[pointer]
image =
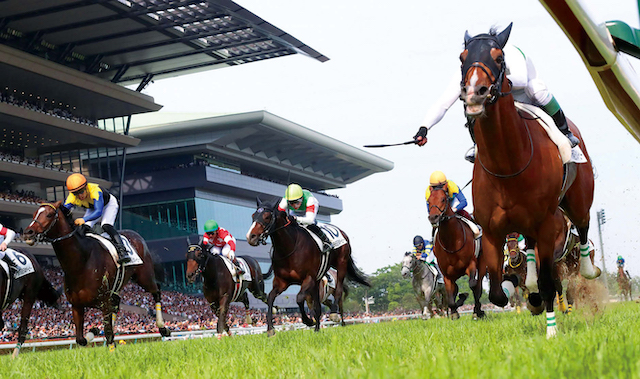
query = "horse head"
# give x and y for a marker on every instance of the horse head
(264, 221)
(195, 262)
(49, 222)
(483, 70)
(408, 263)
(439, 208)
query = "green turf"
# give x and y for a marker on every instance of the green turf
(505, 345)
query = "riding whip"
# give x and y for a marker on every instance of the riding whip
(393, 144)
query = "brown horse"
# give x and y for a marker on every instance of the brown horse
(28, 288)
(454, 246)
(518, 174)
(296, 259)
(624, 282)
(92, 277)
(218, 285)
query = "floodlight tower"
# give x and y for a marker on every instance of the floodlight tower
(601, 220)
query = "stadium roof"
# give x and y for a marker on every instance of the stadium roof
(136, 41)
(265, 143)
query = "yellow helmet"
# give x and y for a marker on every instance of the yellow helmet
(436, 178)
(76, 182)
(293, 192)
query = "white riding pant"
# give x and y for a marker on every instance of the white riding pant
(109, 213)
(224, 250)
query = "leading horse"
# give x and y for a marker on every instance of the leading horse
(28, 288)
(92, 278)
(218, 285)
(297, 259)
(518, 174)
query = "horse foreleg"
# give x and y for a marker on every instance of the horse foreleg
(587, 269)
(452, 291)
(108, 320)
(223, 308)
(546, 280)
(318, 306)
(493, 258)
(477, 290)
(245, 300)
(27, 306)
(157, 298)
(305, 289)
(78, 319)
(278, 287)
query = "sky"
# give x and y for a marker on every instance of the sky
(388, 63)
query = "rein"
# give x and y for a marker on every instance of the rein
(444, 217)
(43, 235)
(268, 232)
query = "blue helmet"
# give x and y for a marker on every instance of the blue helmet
(417, 240)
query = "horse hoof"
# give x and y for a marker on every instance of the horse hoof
(81, 341)
(271, 333)
(455, 316)
(164, 332)
(499, 299)
(535, 299)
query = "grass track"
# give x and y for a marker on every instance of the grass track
(501, 346)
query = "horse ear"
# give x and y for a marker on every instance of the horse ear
(467, 37)
(407, 253)
(504, 36)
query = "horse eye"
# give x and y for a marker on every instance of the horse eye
(50, 215)
(500, 59)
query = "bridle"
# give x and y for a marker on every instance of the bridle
(519, 260)
(201, 259)
(495, 89)
(267, 229)
(42, 236)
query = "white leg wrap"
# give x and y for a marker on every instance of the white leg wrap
(587, 269)
(159, 320)
(532, 272)
(551, 325)
(508, 288)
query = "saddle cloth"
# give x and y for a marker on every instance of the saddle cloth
(333, 234)
(232, 268)
(567, 154)
(106, 242)
(24, 264)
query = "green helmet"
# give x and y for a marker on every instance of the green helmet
(619, 257)
(293, 192)
(210, 226)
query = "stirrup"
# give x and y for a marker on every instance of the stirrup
(470, 155)
(123, 257)
(573, 140)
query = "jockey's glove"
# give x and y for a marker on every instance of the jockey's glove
(422, 132)
(79, 221)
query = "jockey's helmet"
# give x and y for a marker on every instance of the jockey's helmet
(437, 178)
(210, 226)
(620, 258)
(418, 240)
(76, 182)
(293, 192)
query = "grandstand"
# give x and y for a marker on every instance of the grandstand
(64, 109)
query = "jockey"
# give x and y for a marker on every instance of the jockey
(423, 250)
(6, 236)
(457, 200)
(303, 207)
(620, 261)
(526, 87)
(100, 206)
(217, 240)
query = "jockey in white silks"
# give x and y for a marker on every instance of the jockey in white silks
(6, 236)
(526, 88)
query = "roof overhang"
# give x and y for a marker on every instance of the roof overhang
(266, 142)
(136, 41)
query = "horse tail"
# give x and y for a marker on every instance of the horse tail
(48, 294)
(269, 273)
(355, 275)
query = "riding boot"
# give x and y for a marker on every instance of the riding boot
(561, 122)
(13, 266)
(117, 242)
(326, 244)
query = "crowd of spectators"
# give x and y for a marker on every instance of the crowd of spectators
(42, 105)
(14, 158)
(21, 196)
(191, 313)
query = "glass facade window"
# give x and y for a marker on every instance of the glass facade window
(161, 220)
(235, 218)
